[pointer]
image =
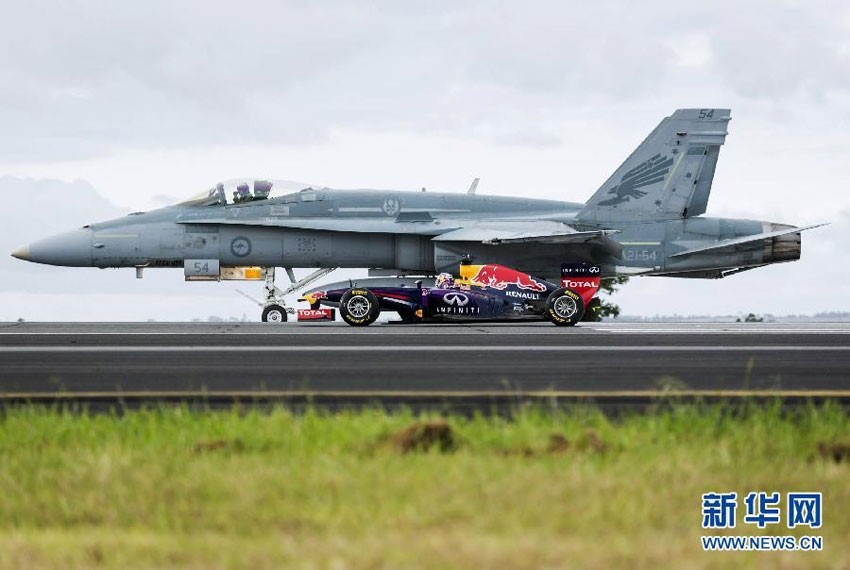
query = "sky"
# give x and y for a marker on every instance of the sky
(108, 108)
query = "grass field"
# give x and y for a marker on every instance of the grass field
(178, 488)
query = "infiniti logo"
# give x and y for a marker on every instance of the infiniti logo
(458, 299)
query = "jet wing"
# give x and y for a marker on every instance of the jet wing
(745, 239)
(522, 231)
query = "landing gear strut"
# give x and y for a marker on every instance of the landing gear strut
(274, 305)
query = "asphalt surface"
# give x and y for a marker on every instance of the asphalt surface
(470, 362)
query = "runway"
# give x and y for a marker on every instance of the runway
(467, 364)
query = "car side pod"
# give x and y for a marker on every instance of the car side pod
(564, 307)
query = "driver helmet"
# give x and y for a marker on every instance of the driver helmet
(445, 281)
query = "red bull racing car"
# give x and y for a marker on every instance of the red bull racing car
(490, 291)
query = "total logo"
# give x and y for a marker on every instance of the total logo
(312, 313)
(576, 284)
(316, 314)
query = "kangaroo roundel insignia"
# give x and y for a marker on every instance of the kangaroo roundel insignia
(240, 246)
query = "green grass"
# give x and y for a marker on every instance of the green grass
(176, 488)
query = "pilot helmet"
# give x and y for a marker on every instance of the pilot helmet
(262, 188)
(445, 281)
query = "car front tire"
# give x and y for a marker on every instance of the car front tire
(359, 307)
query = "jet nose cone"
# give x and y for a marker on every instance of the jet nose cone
(22, 253)
(73, 249)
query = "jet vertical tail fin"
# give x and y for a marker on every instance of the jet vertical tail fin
(668, 176)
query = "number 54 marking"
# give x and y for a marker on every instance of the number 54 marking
(706, 113)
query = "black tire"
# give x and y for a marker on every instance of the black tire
(274, 314)
(591, 311)
(359, 307)
(564, 307)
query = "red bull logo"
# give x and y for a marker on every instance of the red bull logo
(314, 297)
(500, 277)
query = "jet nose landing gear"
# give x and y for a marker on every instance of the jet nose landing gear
(274, 314)
(274, 305)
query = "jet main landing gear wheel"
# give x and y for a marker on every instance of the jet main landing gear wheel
(274, 314)
(564, 307)
(359, 307)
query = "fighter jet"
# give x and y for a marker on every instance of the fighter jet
(646, 219)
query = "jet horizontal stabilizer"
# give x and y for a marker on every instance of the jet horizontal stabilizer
(710, 273)
(575, 237)
(626, 270)
(746, 239)
(517, 232)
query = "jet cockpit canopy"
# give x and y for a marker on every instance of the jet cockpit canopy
(212, 197)
(239, 190)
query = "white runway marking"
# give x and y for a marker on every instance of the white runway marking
(431, 332)
(484, 329)
(420, 348)
(721, 328)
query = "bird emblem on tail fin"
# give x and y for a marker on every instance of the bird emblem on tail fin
(644, 174)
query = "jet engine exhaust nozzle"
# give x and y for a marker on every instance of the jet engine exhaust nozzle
(786, 247)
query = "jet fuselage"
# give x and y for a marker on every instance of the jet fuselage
(394, 230)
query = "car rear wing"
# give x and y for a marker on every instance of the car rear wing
(583, 278)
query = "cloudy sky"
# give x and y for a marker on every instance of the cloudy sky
(111, 106)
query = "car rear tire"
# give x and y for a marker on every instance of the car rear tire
(274, 314)
(564, 307)
(359, 307)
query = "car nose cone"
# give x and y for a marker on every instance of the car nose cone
(72, 249)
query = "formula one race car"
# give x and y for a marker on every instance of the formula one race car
(481, 292)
